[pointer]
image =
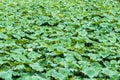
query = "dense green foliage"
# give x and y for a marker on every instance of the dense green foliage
(59, 40)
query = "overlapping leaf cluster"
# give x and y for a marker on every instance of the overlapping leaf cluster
(59, 40)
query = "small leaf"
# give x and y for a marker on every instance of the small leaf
(36, 66)
(109, 72)
(33, 55)
(3, 36)
(7, 75)
(9, 42)
(91, 72)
